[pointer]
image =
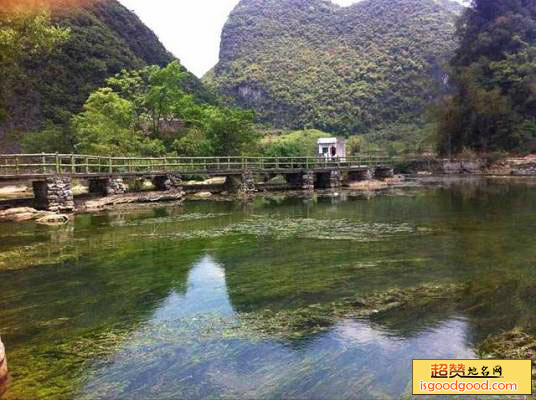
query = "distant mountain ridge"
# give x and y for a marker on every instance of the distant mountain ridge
(312, 63)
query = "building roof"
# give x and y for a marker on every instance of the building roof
(327, 141)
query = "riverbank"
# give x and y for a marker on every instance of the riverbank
(21, 209)
(474, 165)
(17, 205)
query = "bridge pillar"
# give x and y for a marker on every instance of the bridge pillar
(301, 181)
(328, 180)
(3, 369)
(243, 184)
(361, 175)
(54, 194)
(107, 186)
(384, 172)
(167, 182)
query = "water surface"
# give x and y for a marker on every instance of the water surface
(149, 303)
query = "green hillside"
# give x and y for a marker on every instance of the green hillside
(313, 64)
(105, 38)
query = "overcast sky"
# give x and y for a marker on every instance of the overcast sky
(190, 29)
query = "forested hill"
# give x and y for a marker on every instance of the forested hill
(105, 38)
(311, 63)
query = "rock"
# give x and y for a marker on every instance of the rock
(463, 167)
(107, 186)
(202, 195)
(53, 219)
(368, 185)
(54, 194)
(452, 167)
(167, 182)
(335, 179)
(472, 167)
(215, 181)
(20, 214)
(11, 190)
(395, 180)
(528, 169)
(148, 197)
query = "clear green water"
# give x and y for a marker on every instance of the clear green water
(147, 304)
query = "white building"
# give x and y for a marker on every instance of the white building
(332, 147)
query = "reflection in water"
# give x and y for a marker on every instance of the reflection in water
(148, 304)
(206, 292)
(352, 359)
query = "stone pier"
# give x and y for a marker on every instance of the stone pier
(3, 368)
(107, 186)
(384, 172)
(301, 181)
(359, 176)
(243, 184)
(167, 182)
(54, 194)
(328, 180)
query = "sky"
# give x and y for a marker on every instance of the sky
(190, 29)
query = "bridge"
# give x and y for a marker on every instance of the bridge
(52, 174)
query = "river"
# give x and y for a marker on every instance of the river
(218, 299)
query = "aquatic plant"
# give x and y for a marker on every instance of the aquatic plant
(516, 344)
(306, 228)
(314, 318)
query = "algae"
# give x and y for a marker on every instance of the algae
(305, 321)
(515, 344)
(304, 228)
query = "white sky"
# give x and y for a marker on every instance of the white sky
(190, 29)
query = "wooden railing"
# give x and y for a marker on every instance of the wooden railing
(75, 164)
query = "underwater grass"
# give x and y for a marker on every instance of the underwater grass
(315, 318)
(63, 368)
(515, 344)
(304, 228)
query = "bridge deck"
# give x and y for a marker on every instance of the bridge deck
(41, 166)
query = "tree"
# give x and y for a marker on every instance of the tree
(25, 32)
(292, 144)
(193, 144)
(53, 138)
(158, 97)
(494, 76)
(230, 130)
(106, 126)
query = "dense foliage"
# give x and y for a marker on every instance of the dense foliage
(494, 71)
(299, 143)
(312, 64)
(24, 33)
(104, 38)
(148, 112)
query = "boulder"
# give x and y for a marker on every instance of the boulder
(129, 198)
(53, 219)
(202, 195)
(452, 167)
(19, 214)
